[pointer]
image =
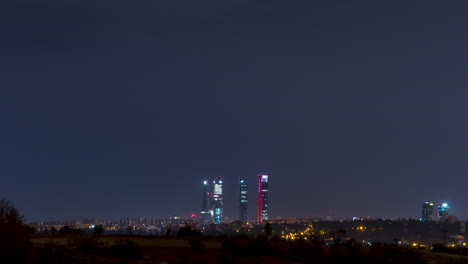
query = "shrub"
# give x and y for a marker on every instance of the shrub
(67, 230)
(187, 231)
(197, 244)
(98, 230)
(125, 249)
(52, 254)
(87, 244)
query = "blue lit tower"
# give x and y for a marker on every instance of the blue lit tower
(262, 198)
(243, 200)
(205, 214)
(217, 203)
(443, 212)
(427, 211)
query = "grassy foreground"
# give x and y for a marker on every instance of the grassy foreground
(129, 249)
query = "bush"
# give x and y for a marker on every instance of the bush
(251, 247)
(197, 244)
(68, 230)
(52, 254)
(87, 244)
(98, 230)
(187, 231)
(394, 255)
(126, 249)
(303, 251)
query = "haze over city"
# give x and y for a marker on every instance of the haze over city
(113, 109)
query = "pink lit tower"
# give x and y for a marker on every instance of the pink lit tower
(262, 199)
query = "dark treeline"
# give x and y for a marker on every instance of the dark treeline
(386, 231)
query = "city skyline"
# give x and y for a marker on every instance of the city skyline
(122, 108)
(431, 214)
(233, 207)
(435, 216)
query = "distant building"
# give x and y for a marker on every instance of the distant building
(243, 200)
(217, 201)
(443, 212)
(205, 213)
(262, 199)
(427, 211)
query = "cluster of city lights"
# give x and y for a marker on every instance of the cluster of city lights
(360, 228)
(418, 245)
(309, 231)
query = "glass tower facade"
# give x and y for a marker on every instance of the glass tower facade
(427, 211)
(205, 213)
(243, 200)
(262, 199)
(443, 212)
(217, 203)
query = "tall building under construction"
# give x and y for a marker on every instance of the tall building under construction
(206, 213)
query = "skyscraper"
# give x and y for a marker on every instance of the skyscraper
(243, 200)
(205, 213)
(262, 199)
(443, 212)
(217, 203)
(427, 211)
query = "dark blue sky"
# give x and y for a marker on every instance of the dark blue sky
(121, 108)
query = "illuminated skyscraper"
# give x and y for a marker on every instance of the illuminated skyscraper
(205, 213)
(243, 200)
(217, 203)
(262, 199)
(427, 211)
(443, 212)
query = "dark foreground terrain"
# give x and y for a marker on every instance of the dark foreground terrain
(129, 249)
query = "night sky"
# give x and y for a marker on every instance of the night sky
(112, 109)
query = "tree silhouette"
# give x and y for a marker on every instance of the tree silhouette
(67, 230)
(99, 229)
(268, 229)
(53, 230)
(188, 231)
(14, 240)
